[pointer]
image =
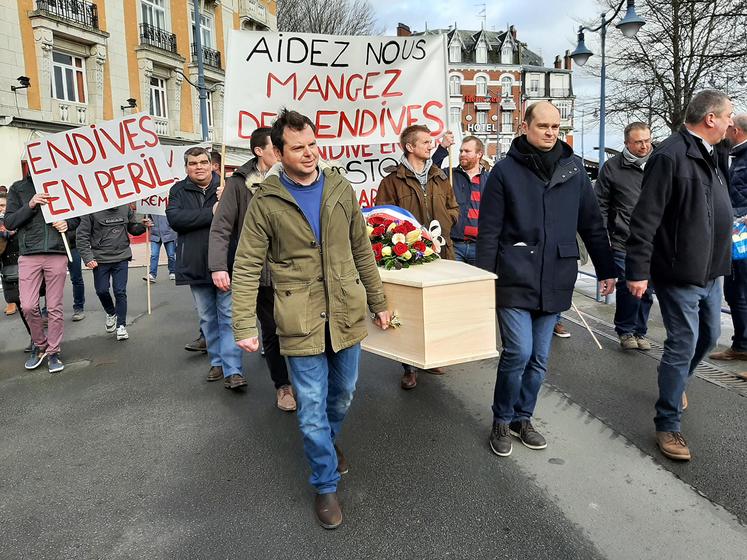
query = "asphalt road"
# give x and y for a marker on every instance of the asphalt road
(129, 453)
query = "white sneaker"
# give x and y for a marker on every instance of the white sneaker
(172, 276)
(150, 278)
(111, 323)
(122, 333)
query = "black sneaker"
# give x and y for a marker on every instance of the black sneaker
(54, 363)
(500, 440)
(530, 437)
(36, 358)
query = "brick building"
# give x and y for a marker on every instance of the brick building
(493, 78)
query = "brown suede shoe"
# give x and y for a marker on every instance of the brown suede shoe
(11, 309)
(234, 381)
(342, 462)
(435, 371)
(328, 510)
(285, 400)
(728, 355)
(215, 373)
(673, 445)
(409, 380)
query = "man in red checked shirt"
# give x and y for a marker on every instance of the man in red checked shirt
(469, 180)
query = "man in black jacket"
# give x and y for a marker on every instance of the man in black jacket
(618, 188)
(224, 237)
(192, 202)
(680, 238)
(735, 283)
(535, 201)
(42, 259)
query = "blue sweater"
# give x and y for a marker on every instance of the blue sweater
(309, 199)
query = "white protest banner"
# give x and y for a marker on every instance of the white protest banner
(356, 90)
(99, 166)
(364, 166)
(155, 204)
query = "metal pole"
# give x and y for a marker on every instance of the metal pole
(197, 34)
(583, 152)
(603, 93)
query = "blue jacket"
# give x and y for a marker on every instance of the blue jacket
(161, 232)
(462, 186)
(528, 231)
(738, 179)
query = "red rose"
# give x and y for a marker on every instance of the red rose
(400, 249)
(386, 223)
(376, 220)
(377, 247)
(401, 229)
(378, 230)
(408, 227)
(419, 246)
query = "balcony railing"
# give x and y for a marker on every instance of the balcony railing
(157, 37)
(560, 92)
(254, 10)
(75, 11)
(536, 93)
(211, 57)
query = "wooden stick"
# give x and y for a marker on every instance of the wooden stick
(147, 265)
(67, 247)
(586, 325)
(451, 170)
(222, 167)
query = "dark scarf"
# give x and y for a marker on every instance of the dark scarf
(542, 163)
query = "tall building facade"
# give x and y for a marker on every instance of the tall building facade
(86, 61)
(493, 78)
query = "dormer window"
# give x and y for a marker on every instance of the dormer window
(507, 54)
(455, 53)
(481, 54)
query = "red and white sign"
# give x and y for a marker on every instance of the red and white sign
(100, 166)
(357, 90)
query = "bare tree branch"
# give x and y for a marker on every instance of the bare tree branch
(331, 17)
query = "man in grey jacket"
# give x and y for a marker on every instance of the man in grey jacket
(105, 248)
(618, 189)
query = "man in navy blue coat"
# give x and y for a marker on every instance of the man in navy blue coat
(535, 201)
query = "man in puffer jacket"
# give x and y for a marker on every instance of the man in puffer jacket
(104, 246)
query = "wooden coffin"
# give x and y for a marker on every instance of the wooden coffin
(447, 311)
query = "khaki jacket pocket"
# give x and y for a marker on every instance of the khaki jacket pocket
(291, 308)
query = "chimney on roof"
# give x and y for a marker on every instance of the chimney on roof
(558, 62)
(512, 30)
(568, 61)
(403, 30)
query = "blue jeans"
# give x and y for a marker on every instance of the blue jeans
(114, 274)
(465, 252)
(324, 386)
(734, 292)
(631, 313)
(214, 309)
(76, 279)
(692, 317)
(526, 337)
(155, 253)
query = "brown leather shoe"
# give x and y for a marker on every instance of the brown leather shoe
(215, 373)
(728, 355)
(409, 380)
(435, 371)
(234, 381)
(328, 510)
(342, 462)
(673, 445)
(284, 399)
(11, 309)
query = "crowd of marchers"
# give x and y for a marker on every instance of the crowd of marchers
(282, 249)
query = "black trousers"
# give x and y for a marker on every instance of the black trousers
(270, 340)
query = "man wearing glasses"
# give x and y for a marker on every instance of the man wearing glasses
(618, 189)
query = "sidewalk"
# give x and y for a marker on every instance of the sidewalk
(584, 298)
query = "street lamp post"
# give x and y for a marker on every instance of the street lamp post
(629, 26)
(197, 34)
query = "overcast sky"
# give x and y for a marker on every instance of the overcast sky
(548, 27)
